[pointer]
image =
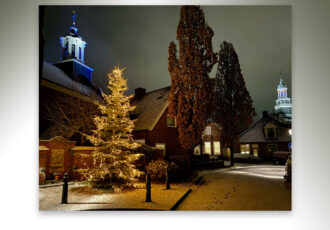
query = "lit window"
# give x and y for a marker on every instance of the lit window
(245, 149)
(197, 150)
(141, 141)
(272, 148)
(161, 146)
(207, 130)
(207, 147)
(255, 150)
(171, 122)
(216, 146)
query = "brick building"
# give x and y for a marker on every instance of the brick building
(265, 137)
(211, 140)
(68, 77)
(154, 127)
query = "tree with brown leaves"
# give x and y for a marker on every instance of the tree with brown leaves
(190, 96)
(233, 107)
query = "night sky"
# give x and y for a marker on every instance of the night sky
(137, 37)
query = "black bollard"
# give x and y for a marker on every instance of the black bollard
(167, 179)
(65, 189)
(148, 186)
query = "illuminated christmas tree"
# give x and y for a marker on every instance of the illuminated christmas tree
(113, 157)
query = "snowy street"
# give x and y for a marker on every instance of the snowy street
(243, 187)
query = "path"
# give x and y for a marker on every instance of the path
(245, 187)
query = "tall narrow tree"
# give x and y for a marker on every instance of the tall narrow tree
(233, 104)
(191, 90)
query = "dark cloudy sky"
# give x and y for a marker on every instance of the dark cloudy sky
(137, 37)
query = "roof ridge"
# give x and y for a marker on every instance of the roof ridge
(158, 90)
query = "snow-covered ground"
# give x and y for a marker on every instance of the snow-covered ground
(244, 187)
(50, 199)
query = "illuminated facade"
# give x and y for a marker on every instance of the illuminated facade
(283, 102)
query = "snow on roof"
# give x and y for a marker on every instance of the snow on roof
(57, 76)
(150, 108)
(255, 133)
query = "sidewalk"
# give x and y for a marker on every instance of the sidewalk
(162, 199)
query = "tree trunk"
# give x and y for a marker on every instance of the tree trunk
(231, 155)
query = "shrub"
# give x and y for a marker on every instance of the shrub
(157, 169)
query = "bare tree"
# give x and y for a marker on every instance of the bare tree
(71, 114)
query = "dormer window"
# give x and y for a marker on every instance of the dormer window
(270, 131)
(171, 122)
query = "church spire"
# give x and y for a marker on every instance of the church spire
(72, 45)
(73, 28)
(74, 18)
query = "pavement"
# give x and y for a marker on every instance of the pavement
(242, 187)
(162, 199)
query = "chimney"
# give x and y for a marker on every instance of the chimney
(140, 92)
(264, 114)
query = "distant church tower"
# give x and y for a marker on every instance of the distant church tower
(73, 55)
(283, 102)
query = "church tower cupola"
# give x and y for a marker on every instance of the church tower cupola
(72, 45)
(283, 102)
(73, 55)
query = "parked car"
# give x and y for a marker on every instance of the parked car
(246, 158)
(280, 157)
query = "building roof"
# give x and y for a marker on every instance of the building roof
(255, 133)
(56, 75)
(149, 108)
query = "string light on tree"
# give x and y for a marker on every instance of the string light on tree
(113, 158)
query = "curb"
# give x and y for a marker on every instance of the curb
(176, 205)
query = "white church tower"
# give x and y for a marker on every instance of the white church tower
(72, 60)
(72, 45)
(283, 102)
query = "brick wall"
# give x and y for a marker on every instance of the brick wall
(60, 156)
